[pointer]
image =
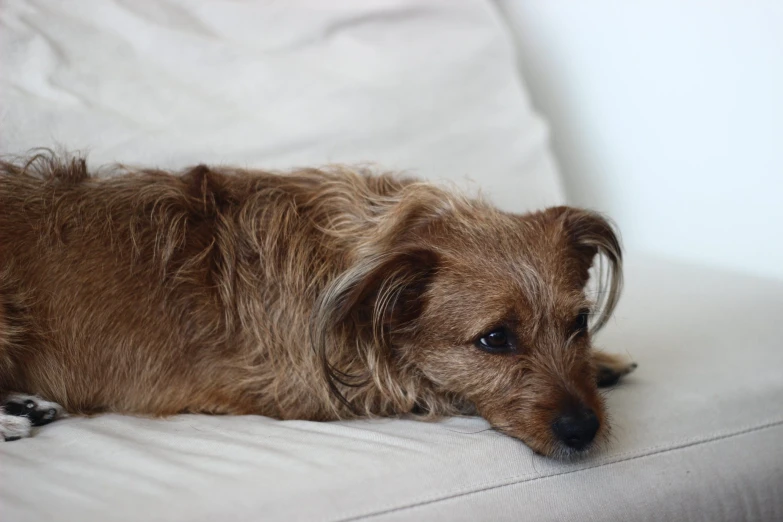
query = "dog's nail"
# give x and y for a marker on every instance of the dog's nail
(10, 439)
(633, 366)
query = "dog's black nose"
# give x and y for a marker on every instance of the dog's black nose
(577, 429)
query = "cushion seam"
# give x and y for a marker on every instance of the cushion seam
(658, 451)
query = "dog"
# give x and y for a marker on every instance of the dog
(316, 294)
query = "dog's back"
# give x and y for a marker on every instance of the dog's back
(153, 293)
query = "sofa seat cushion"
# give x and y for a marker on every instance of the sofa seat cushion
(696, 436)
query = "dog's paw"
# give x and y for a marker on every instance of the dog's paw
(611, 367)
(14, 428)
(33, 408)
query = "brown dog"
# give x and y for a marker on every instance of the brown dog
(318, 294)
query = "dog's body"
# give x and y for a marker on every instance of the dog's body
(311, 295)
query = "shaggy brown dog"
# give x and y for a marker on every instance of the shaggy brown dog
(317, 294)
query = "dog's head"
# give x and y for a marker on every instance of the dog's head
(489, 308)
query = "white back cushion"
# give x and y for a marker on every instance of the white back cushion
(425, 86)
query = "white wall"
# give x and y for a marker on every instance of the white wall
(667, 115)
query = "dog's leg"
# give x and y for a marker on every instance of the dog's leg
(20, 412)
(610, 367)
(14, 428)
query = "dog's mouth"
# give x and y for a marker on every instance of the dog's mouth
(566, 453)
(554, 449)
(551, 444)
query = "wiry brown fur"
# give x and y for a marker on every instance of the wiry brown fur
(316, 294)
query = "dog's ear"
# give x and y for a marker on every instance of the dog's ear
(384, 286)
(590, 237)
(385, 291)
(380, 295)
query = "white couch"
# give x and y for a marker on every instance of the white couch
(429, 86)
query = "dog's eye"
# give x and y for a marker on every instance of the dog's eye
(581, 321)
(498, 340)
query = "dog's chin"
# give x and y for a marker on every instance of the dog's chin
(547, 445)
(558, 451)
(568, 454)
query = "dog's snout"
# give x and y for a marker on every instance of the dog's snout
(576, 429)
